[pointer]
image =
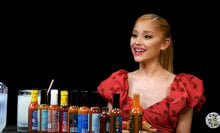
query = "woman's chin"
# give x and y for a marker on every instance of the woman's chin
(138, 60)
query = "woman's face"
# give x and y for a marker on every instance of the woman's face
(146, 41)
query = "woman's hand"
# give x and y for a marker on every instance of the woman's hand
(146, 127)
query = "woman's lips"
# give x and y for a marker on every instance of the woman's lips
(139, 51)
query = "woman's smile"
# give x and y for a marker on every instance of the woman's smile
(139, 51)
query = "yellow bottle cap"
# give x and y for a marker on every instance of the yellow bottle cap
(64, 92)
(34, 95)
(64, 98)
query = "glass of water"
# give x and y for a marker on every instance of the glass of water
(24, 99)
(3, 105)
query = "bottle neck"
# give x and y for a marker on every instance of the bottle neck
(136, 101)
(34, 98)
(54, 99)
(116, 97)
(64, 100)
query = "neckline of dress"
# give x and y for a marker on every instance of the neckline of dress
(165, 98)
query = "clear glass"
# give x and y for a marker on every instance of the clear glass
(3, 106)
(24, 99)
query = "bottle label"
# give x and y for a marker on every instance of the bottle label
(107, 125)
(117, 127)
(53, 121)
(132, 123)
(34, 120)
(73, 121)
(95, 123)
(82, 123)
(44, 120)
(65, 122)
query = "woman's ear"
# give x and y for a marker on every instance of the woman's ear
(166, 43)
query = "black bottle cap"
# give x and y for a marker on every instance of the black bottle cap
(95, 99)
(74, 97)
(43, 94)
(84, 98)
(116, 98)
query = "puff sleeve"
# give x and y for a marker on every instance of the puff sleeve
(114, 83)
(187, 92)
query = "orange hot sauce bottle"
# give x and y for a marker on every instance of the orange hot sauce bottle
(53, 113)
(64, 111)
(135, 119)
(116, 115)
(94, 113)
(83, 112)
(105, 120)
(73, 112)
(43, 111)
(33, 112)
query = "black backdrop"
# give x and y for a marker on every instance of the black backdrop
(79, 44)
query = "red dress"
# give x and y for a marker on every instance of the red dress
(185, 91)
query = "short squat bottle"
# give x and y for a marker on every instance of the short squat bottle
(105, 120)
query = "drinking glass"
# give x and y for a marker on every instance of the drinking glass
(3, 105)
(24, 99)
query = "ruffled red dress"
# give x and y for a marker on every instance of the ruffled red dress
(185, 91)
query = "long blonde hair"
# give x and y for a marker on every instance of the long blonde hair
(166, 56)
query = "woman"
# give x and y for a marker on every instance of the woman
(167, 100)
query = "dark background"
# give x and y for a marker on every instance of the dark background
(79, 44)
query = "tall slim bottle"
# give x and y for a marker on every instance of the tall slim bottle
(94, 113)
(33, 112)
(73, 112)
(53, 113)
(116, 115)
(135, 118)
(83, 113)
(43, 112)
(64, 111)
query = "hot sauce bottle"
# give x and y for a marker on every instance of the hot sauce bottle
(33, 112)
(94, 113)
(53, 113)
(105, 120)
(73, 112)
(116, 115)
(43, 112)
(135, 118)
(83, 112)
(64, 111)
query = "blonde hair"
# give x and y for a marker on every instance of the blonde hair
(166, 56)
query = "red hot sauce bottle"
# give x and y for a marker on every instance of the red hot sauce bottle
(116, 115)
(64, 111)
(94, 113)
(33, 112)
(73, 112)
(105, 120)
(53, 113)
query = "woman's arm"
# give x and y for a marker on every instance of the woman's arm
(109, 106)
(185, 121)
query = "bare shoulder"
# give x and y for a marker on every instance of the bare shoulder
(169, 75)
(132, 74)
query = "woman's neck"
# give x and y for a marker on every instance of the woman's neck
(150, 70)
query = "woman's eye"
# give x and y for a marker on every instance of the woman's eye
(147, 36)
(133, 35)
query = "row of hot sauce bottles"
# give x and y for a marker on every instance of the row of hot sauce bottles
(79, 119)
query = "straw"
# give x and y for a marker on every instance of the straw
(51, 83)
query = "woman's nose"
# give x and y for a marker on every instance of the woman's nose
(139, 41)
